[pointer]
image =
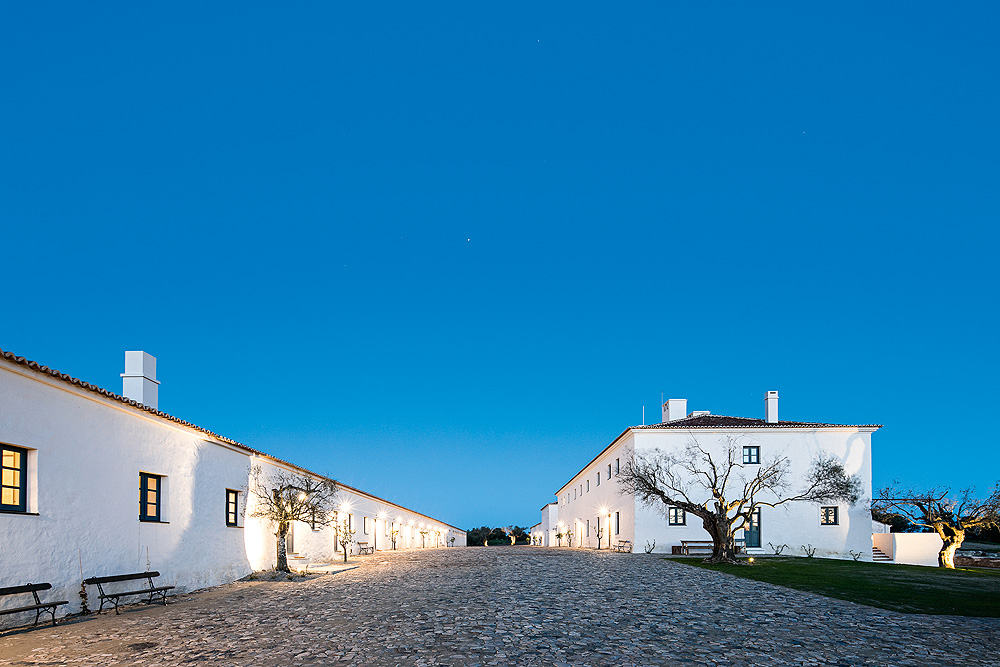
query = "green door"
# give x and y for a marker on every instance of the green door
(751, 533)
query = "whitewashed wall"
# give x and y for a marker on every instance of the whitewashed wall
(550, 524)
(582, 499)
(794, 524)
(910, 548)
(87, 452)
(85, 455)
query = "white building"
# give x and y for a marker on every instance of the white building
(103, 484)
(591, 502)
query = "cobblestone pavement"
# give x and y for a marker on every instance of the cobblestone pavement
(516, 606)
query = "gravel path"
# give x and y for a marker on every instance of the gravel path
(518, 606)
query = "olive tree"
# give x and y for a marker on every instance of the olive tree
(715, 485)
(948, 515)
(283, 497)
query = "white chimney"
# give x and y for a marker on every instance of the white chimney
(139, 379)
(675, 408)
(771, 407)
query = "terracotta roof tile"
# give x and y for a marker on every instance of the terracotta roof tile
(722, 421)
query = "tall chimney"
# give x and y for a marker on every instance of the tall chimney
(771, 407)
(674, 408)
(139, 379)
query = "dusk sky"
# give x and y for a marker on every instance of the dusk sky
(447, 253)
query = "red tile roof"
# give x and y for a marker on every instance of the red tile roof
(722, 421)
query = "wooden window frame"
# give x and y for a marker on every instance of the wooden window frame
(21, 507)
(232, 508)
(751, 455)
(144, 503)
(673, 513)
(824, 515)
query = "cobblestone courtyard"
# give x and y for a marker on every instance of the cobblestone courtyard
(518, 606)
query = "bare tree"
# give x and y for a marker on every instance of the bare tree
(284, 497)
(717, 487)
(949, 517)
(345, 536)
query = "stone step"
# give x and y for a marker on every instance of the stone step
(879, 555)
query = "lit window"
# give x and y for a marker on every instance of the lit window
(232, 504)
(13, 479)
(676, 517)
(751, 455)
(828, 516)
(149, 496)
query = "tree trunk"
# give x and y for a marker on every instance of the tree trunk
(952, 539)
(282, 565)
(724, 542)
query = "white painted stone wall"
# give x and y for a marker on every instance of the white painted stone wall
(85, 455)
(592, 496)
(550, 524)
(794, 524)
(910, 548)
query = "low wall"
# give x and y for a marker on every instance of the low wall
(909, 548)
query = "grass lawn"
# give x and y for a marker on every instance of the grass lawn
(907, 588)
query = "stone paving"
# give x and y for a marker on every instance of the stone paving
(509, 606)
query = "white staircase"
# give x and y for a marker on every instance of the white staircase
(880, 556)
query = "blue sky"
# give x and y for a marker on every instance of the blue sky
(447, 253)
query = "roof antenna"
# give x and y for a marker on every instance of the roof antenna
(644, 415)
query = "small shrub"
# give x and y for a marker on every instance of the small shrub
(855, 555)
(809, 550)
(777, 548)
(649, 547)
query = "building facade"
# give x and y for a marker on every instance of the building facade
(95, 484)
(592, 505)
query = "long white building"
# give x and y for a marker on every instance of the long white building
(591, 501)
(97, 484)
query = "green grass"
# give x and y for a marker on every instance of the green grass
(906, 588)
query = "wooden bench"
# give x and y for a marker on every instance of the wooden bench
(623, 546)
(363, 548)
(152, 592)
(701, 546)
(39, 607)
(697, 545)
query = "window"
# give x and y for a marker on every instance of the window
(149, 497)
(618, 523)
(232, 506)
(598, 479)
(828, 516)
(588, 486)
(617, 467)
(751, 455)
(588, 527)
(350, 522)
(13, 479)
(609, 471)
(581, 489)
(574, 494)
(676, 517)
(366, 526)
